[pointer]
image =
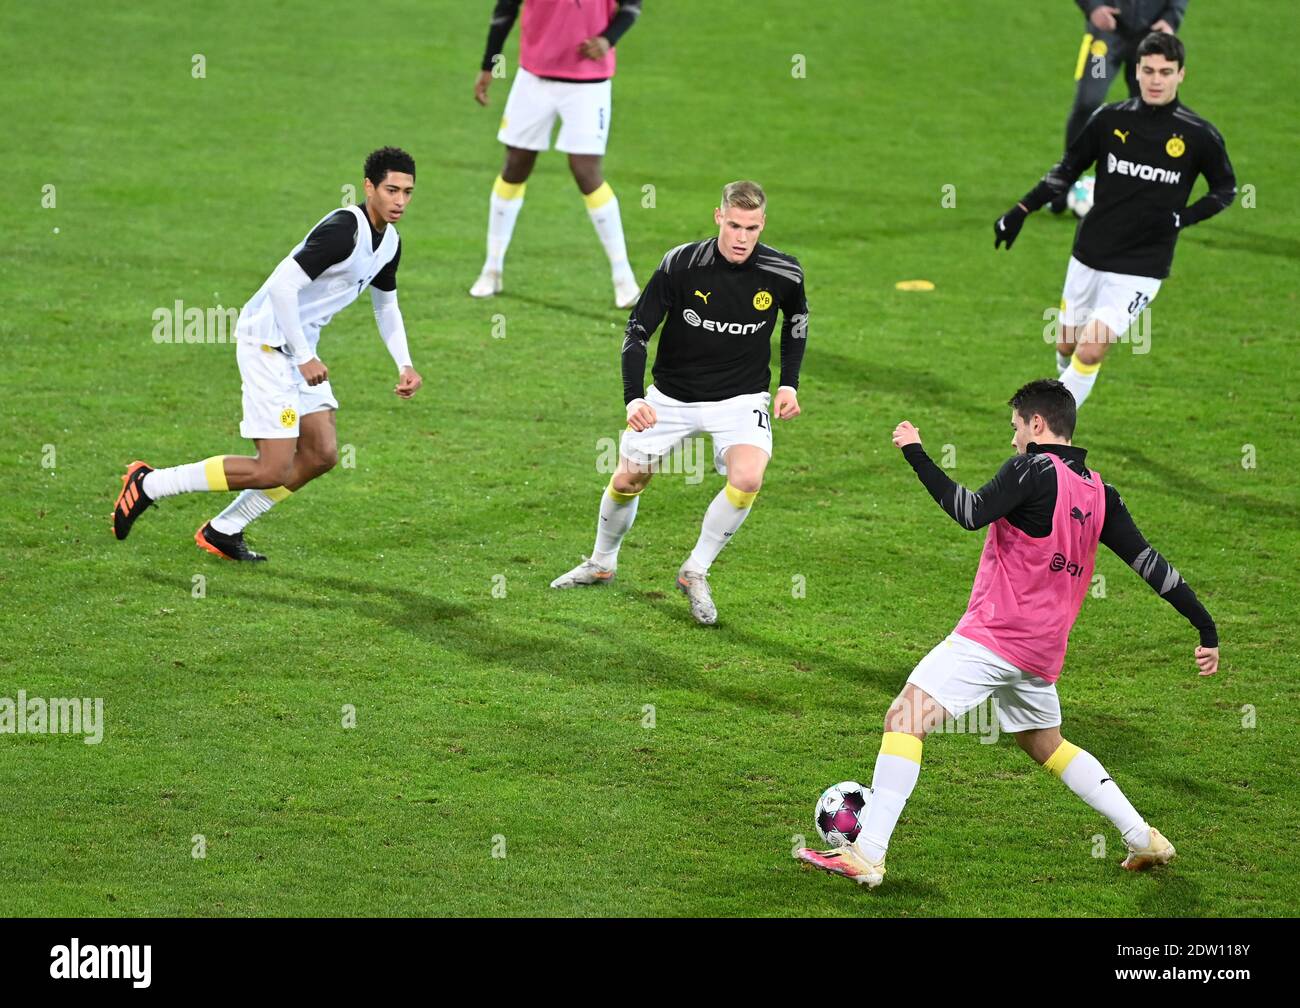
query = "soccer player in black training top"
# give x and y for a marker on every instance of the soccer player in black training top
(718, 300)
(1112, 34)
(1046, 513)
(1149, 151)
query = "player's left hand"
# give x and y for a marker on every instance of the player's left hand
(1207, 660)
(408, 383)
(905, 434)
(786, 404)
(1006, 227)
(594, 48)
(1162, 26)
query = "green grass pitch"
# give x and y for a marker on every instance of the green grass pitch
(515, 722)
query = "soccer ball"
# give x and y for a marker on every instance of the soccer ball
(1079, 198)
(840, 812)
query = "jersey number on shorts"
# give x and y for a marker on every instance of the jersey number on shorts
(1139, 302)
(762, 420)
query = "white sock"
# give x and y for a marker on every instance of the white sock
(1079, 379)
(727, 512)
(1086, 777)
(193, 477)
(898, 766)
(602, 208)
(247, 507)
(507, 200)
(617, 512)
(1062, 362)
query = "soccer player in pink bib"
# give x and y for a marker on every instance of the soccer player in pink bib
(566, 66)
(1046, 511)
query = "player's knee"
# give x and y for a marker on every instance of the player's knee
(324, 461)
(747, 481)
(272, 473)
(519, 165)
(1090, 353)
(903, 717)
(630, 482)
(1039, 745)
(586, 172)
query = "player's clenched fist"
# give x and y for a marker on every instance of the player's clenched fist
(905, 434)
(640, 415)
(408, 383)
(1207, 660)
(314, 371)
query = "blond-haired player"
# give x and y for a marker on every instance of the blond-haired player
(718, 301)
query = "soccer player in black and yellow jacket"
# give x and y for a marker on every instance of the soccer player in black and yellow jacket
(1148, 151)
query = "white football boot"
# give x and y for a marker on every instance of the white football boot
(1158, 851)
(695, 586)
(586, 573)
(487, 284)
(626, 291)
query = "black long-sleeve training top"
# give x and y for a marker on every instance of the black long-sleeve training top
(1147, 157)
(1024, 492)
(718, 319)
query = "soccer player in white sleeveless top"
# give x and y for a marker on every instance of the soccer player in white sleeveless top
(288, 404)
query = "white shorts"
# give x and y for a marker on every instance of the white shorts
(961, 675)
(276, 396)
(1114, 299)
(743, 419)
(584, 111)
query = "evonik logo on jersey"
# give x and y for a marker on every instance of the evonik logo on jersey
(1069, 566)
(735, 328)
(1119, 166)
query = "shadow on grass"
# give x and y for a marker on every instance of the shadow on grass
(568, 311)
(583, 653)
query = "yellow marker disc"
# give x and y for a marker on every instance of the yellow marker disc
(914, 285)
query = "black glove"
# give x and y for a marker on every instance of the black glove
(1008, 226)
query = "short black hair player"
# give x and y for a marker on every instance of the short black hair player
(1046, 513)
(288, 404)
(1149, 151)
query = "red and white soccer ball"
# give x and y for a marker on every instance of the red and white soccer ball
(841, 811)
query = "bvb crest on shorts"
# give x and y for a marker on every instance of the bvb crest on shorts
(1174, 147)
(762, 300)
(288, 417)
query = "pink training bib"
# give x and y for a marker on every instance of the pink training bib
(551, 30)
(1028, 592)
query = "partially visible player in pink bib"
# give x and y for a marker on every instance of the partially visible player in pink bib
(566, 64)
(1046, 511)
